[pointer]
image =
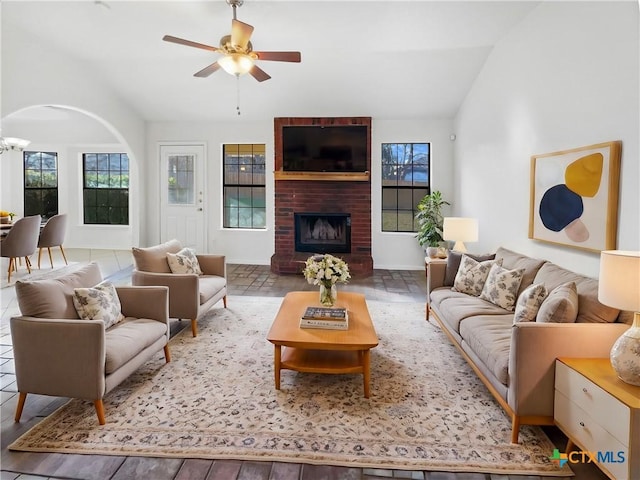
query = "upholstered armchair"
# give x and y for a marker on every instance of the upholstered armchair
(57, 353)
(190, 294)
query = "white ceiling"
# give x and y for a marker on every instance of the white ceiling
(385, 59)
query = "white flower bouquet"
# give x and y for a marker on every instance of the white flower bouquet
(326, 270)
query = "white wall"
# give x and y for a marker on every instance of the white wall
(566, 77)
(389, 250)
(34, 75)
(401, 250)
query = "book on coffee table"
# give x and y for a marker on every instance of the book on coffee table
(325, 317)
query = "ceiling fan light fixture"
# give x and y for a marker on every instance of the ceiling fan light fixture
(236, 63)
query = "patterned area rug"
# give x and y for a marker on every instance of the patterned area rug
(216, 399)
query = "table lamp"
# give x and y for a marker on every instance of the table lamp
(619, 287)
(460, 230)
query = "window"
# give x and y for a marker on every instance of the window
(40, 184)
(244, 186)
(106, 188)
(405, 180)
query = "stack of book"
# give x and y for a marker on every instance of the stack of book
(333, 318)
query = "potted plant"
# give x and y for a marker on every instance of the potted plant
(430, 220)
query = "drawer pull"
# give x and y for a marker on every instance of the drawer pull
(582, 424)
(585, 390)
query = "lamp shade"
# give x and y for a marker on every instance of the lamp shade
(236, 63)
(460, 230)
(619, 281)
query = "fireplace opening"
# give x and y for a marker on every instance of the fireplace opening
(323, 232)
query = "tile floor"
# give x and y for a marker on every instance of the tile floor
(386, 285)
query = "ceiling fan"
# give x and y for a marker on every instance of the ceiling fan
(238, 54)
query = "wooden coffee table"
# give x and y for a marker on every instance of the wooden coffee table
(316, 350)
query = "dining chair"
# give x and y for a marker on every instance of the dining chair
(52, 235)
(21, 241)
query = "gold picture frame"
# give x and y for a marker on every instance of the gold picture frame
(574, 197)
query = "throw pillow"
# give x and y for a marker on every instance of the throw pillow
(472, 275)
(561, 306)
(453, 264)
(501, 287)
(529, 303)
(98, 303)
(185, 261)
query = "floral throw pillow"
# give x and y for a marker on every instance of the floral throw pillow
(529, 302)
(185, 261)
(472, 275)
(501, 287)
(561, 306)
(98, 303)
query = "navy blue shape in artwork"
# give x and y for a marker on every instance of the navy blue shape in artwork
(559, 207)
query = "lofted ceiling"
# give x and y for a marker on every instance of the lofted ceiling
(385, 59)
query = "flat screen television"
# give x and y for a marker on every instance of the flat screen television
(315, 148)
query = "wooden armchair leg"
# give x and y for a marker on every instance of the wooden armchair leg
(39, 256)
(167, 353)
(515, 428)
(100, 411)
(21, 399)
(194, 327)
(12, 267)
(28, 263)
(224, 301)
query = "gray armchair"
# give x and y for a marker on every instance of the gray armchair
(21, 241)
(190, 295)
(56, 353)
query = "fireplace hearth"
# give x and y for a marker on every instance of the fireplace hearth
(323, 232)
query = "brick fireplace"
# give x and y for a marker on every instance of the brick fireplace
(318, 196)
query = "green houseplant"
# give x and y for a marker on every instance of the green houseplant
(430, 220)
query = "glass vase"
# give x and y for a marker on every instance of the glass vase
(328, 295)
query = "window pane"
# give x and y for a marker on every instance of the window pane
(32, 178)
(89, 198)
(114, 162)
(49, 178)
(90, 162)
(91, 179)
(244, 196)
(32, 160)
(40, 184)
(389, 198)
(49, 161)
(103, 161)
(405, 180)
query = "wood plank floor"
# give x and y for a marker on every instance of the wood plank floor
(243, 280)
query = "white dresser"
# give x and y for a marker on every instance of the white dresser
(600, 414)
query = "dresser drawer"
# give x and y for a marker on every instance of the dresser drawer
(604, 409)
(578, 425)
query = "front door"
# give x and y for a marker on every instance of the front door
(182, 214)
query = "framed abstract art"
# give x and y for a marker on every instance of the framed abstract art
(574, 197)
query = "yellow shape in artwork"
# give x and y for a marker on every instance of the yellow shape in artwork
(583, 176)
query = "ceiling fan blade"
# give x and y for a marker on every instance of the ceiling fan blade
(240, 33)
(189, 43)
(259, 74)
(279, 56)
(206, 71)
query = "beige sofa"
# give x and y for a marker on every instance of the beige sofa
(516, 360)
(56, 353)
(190, 295)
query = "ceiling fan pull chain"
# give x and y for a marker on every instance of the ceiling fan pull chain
(238, 94)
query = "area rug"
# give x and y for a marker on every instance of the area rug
(216, 399)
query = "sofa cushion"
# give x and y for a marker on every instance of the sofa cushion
(98, 303)
(453, 264)
(513, 260)
(185, 261)
(490, 339)
(529, 303)
(502, 286)
(472, 275)
(560, 306)
(455, 309)
(154, 259)
(53, 298)
(589, 308)
(128, 338)
(210, 285)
